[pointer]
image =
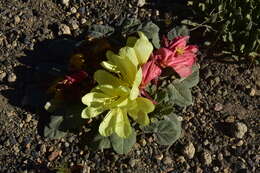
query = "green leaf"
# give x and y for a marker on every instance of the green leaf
(98, 31)
(52, 129)
(193, 79)
(166, 131)
(151, 30)
(178, 31)
(100, 142)
(131, 25)
(180, 94)
(123, 145)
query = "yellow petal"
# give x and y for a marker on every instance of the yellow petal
(129, 53)
(139, 109)
(110, 66)
(107, 126)
(122, 128)
(89, 98)
(135, 88)
(104, 77)
(126, 68)
(143, 48)
(91, 112)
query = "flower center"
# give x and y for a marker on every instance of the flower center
(180, 51)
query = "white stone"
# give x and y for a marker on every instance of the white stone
(11, 77)
(64, 29)
(140, 3)
(65, 2)
(206, 157)
(189, 150)
(240, 130)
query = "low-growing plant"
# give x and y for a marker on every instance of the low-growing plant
(137, 81)
(231, 26)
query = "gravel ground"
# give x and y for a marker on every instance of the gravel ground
(220, 130)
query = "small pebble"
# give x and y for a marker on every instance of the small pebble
(64, 29)
(73, 10)
(17, 19)
(167, 160)
(67, 144)
(11, 77)
(83, 21)
(2, 76)
(206, 158)
(16, 149)
(199, 170)
(239, 130)
(159, 157)
(189, 150)
(252, 92)
(240, 143)
(215, 169)
(143, 142)
(140, 3)
(220, 156)
(28, 118)
(181, 159)
(53, 155)
(43, 148)
(133, 162)
(230, 119)
(206, 142)
(218, 107)
(74, 25)
(65, 2)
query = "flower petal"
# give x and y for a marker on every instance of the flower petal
(110, 66)
(104, 77)
(90, 112)
(179, 42)
(125, 66)
(139, 110)
(143, 48)
(183, 71)
(130, 54)
(93, 97)
(150, 71)
(107, 126)
(122, 128)
(135, 87)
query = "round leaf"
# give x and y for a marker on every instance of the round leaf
(123, 145)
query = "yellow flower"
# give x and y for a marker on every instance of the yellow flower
(118, 92)
(116, 100)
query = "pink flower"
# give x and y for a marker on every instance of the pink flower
(150, 71)
(178, 55)
(74, 78)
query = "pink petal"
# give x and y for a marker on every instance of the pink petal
(180, 42)
(150, 71)
(164, 56)
(76, 77)
(183, 64)
(183, 71)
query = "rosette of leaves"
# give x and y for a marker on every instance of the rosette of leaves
(127, 27)
(234, 22)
